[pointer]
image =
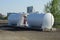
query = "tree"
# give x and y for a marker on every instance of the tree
(53, 7)
(5, 18)
(47, 7)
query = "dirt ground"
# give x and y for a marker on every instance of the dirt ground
(14, 34)
(8, 33)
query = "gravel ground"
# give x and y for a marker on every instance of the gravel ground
(28, 35)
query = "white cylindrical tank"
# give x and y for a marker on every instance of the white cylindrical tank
(15, 19)
(40, 20)
(48, 21)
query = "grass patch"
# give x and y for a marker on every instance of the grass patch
(56, 26)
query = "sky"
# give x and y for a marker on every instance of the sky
(17, 6)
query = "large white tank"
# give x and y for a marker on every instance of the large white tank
(40, 20)
(15, 19)
(34, 20)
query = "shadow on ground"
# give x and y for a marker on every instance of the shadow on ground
(14, 28)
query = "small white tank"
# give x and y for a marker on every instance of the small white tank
(40, 20)
(15, 19)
